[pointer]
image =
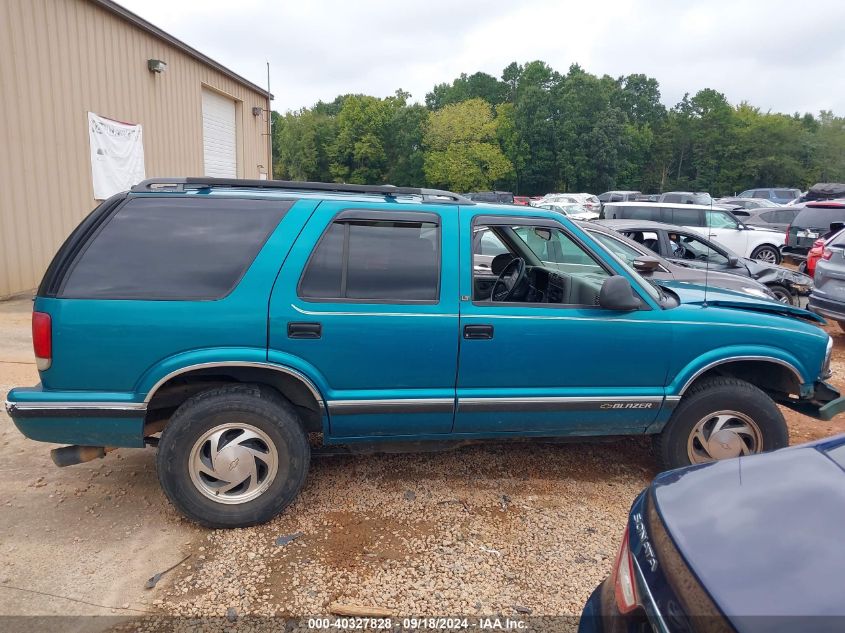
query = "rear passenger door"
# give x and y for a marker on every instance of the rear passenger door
(366, 306)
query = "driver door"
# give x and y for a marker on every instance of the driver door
(567, 367)
(690, 250)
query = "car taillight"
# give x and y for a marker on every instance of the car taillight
(786, 239)
(42, 340)
(827, 254)
(624, 584)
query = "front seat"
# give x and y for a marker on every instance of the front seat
(499, 262)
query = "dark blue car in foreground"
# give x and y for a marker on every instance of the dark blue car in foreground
(751, 544)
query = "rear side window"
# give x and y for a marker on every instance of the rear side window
(761, 193)
(785, 193)
(166, 248)
(369, 260)
(633, 213)
(684, 216)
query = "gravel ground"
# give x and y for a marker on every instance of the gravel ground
(504, 529)
(512, 529)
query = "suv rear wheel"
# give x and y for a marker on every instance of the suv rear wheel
(233, 456)
(719, 418)
(766, 253)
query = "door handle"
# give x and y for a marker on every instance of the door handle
(305, 330)
(478, 331)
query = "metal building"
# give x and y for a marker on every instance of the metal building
(63, 59)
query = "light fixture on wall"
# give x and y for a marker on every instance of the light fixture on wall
(156, 65)
(257, 110)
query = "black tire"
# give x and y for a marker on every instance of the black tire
(767, 248)
(256, 406)
(782, 292)
(710, 396)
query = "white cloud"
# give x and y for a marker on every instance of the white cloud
(765, 52)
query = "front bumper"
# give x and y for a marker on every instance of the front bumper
(823, 405)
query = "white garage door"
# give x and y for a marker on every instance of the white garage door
(219, 135)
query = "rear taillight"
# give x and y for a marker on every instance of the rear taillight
(624, 584)
(786, 239)
(42, 339)
(827, 254)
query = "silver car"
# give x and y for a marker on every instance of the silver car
(828, 296)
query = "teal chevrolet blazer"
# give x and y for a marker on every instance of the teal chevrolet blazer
(240, 325)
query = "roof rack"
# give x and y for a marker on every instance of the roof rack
(181, 184)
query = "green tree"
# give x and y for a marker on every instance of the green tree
(300, 145)
(359, 151)
(461, 147)
(478, 85)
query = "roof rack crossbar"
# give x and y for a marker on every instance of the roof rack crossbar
(180, 184)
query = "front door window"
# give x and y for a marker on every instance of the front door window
(534, 264)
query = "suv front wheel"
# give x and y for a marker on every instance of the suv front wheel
(719, 418)
(233, 456)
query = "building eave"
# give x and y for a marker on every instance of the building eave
(152, 29)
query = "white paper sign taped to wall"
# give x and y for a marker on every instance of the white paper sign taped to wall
(117, 155)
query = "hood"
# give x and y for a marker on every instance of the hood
(772, 272)
(695, 294)
(763, 533)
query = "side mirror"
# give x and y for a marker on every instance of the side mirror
(616, 294)
(646, 264)
(733, 262)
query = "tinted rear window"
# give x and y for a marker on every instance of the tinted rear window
(818, 218)
(173, 248)
(374, 260)
(633, 212)
(683, 216)
(786, 193)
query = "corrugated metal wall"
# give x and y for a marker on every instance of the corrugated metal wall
(60, 59)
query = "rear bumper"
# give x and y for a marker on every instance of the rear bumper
(601, 615)
(795, 254)
(70, 421)
(825, 307)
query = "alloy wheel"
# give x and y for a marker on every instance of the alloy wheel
(767, 255)
(233, 463)
(722, 435)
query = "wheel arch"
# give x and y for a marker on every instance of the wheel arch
(769, 373)
(180, 384)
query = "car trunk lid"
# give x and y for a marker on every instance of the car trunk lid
(769, 544)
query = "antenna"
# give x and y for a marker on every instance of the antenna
(707, 261)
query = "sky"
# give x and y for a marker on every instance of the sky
(778, 55)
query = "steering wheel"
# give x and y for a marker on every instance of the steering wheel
(509, 280)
